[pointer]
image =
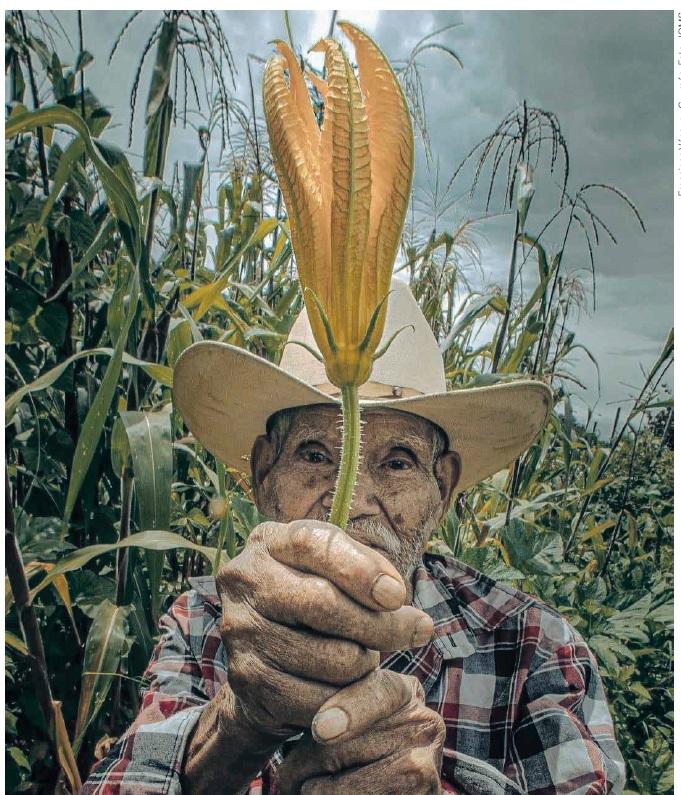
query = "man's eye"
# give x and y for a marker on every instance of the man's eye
(398, 464)
(314, 457)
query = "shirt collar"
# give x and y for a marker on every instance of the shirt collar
(452, 638)
(463, 603)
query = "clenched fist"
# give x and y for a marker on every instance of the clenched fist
(305, 611)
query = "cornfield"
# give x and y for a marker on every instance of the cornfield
(113, 270)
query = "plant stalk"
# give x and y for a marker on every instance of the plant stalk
(28, 621)
(349, 464)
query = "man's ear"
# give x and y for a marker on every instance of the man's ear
(447, 473)
(263, 457)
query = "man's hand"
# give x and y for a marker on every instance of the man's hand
(392, 744)
(305, 610)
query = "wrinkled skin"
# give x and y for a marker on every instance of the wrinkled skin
(304, 617)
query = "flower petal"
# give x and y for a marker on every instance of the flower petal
(293, 161)
(391, 141)
(345, 167)
(301, 100)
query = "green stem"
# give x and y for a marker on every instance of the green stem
(349, 464)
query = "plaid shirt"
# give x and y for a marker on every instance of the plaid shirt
(518, 688)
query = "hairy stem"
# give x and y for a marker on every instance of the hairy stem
(349, 464)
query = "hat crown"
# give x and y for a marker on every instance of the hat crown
(412, 365)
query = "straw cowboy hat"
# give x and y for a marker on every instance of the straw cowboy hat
(227, 394)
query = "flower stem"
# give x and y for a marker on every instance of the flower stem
(349, 464)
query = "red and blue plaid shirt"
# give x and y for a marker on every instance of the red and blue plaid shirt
(518, 688)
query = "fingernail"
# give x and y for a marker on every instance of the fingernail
(388, 592)
(329, 724)
(423, 632)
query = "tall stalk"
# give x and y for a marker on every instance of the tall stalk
(349, 464)
(28, 621)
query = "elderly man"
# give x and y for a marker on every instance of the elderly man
(322, 661)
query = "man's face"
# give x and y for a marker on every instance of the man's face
(401, 493)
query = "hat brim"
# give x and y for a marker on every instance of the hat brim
(226, 395)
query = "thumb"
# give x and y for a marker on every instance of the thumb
(356, 708)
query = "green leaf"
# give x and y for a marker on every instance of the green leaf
(52, 322)
(488, 561)
(512, 361)
(179, 338)
(15, 642)
(160, 78)
(664, 614)
(67, 161)
(106, 644)
(531, 551)
(192, 175)
(629, 624)
(96, 416)
(19, 758)
(84, 59)
(90, 590)
(158, 540)
(123, 201)
(150, 438)
(163, 375)
(149, 435)
(120, 448)
(102, 238)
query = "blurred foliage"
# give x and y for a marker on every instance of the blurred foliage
(113, 270)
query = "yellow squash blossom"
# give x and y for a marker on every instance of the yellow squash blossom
(346, 187)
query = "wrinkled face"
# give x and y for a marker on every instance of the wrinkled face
(402, 490)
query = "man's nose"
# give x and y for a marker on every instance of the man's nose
(364, 502)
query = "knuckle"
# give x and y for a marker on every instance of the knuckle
(223, 579)
(234, 624)
(317, 600)
(235, 577)
(417, 689)
(242, 672)
(354, 661)
(257, 534)
(392, 684)
(437, 728)
(301, 539)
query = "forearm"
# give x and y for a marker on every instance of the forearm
(224, 754)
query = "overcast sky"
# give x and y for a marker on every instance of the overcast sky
(606, 75)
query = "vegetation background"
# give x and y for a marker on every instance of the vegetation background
(113, 269)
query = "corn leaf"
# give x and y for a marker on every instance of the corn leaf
(162, 374)
(150, 438)
(15, 643)
(96, 416)
(123, 202)
(153, 539)
(106, 643)
(67, 760)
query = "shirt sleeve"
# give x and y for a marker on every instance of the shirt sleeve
(148, 757)
(563, 740)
